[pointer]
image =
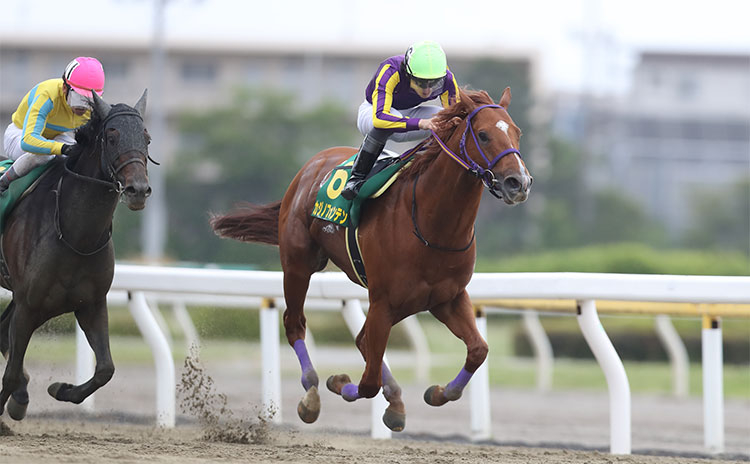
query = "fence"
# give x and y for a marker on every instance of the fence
(585, 289)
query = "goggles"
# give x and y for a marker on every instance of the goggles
(76, 100)
(428, 83)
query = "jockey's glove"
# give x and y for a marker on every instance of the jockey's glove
(72, 150)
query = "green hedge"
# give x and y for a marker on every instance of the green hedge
(632, 346)
(626, 258)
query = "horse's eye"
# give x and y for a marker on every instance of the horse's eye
(483, 136)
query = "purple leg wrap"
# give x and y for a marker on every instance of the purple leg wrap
(350, 392)
(304, 360)
(458, 384)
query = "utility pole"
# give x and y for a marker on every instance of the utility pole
(154, 227)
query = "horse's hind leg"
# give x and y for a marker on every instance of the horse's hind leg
(15, 332)
(93, 322)
(296, 283)
(458, 316)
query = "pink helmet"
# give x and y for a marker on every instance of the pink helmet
(85, 74)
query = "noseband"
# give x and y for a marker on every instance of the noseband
(484, 174)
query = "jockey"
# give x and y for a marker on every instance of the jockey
(44, 123)
(392, 108)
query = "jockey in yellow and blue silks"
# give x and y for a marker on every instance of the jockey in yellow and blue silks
(44, 124)
(393, 104)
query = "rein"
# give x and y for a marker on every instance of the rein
(418, 233)
(484, 174)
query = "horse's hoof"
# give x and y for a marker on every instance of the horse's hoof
(16, 410)
(394, 420)
(336, 382)
(434, 396)
(57, 390)
(308, 409)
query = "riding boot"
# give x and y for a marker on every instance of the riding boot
(363, 163)
(7, 177)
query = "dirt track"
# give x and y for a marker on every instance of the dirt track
(529, 427)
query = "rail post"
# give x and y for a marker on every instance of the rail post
(271, 360)
(165, 372)
(713, 385)
(614, 371)
(479, 389)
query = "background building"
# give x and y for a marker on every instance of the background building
(682, 130)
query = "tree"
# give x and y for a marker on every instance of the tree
(247, 151)
(722, 220)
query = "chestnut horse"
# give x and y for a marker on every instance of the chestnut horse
(417, 243)
(57, 247)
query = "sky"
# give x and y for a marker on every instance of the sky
(577, 44)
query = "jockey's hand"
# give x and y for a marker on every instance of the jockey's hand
(427, 124)
(71, 150)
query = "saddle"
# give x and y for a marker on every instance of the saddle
(18, 189)
(331, 206)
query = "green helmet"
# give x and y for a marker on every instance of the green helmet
(425, 60)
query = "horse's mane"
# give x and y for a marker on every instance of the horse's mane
(460, 109)
(86, 134)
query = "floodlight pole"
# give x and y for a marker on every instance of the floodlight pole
(154, 227)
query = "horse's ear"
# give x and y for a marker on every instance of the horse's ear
(100, 106)
(140, 106)
(505, 98)
(466, 101)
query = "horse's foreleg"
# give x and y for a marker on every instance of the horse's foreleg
(458, 316)
(295, 289)
(16, 330)
(93, 322)
(371, 342)
(394, 416)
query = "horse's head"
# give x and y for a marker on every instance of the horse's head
(122, 143)
(489, 145)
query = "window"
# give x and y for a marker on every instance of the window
(116, 68)
(198, 72)
(687, 87)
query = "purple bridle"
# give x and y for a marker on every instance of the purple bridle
(484, 174)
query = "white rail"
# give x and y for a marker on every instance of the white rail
(579, 286)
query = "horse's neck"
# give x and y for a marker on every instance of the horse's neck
(86, 207)
(453, 194)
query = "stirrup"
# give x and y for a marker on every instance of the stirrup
(350, 192)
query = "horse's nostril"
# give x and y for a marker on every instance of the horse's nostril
(512, 184)
(148, 192)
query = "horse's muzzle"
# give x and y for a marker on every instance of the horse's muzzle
(135, 194)
(515, 188)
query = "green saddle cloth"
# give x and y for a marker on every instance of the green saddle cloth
(10, 197)
(331, 206)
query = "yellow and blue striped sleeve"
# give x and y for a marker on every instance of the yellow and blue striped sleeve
(40, 105)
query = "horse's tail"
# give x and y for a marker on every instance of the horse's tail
(249, 223)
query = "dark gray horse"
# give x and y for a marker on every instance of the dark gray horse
(58, 250)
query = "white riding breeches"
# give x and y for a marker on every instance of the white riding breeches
(23, 160)
(365, 124)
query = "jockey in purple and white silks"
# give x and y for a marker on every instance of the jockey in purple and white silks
(393, 104)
